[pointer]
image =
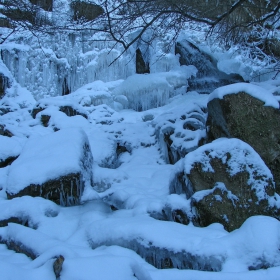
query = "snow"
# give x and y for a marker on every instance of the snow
(238, 156)
(49, 157)
(116, 232)
(151, 91)
(9, 147)
(90, 235)
(253, 90)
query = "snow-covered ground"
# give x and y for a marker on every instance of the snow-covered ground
(93, 238)
(118, 229)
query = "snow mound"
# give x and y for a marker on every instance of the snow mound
(253, 90)
(9, 147)
(48, 157)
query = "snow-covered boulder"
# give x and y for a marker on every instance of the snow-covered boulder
(9, 150)
(85, 10)
(69, 108)
(250, 113)
(56, 166)
(230, 183)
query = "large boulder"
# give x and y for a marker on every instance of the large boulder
(56, 166)
(230, 183)
(251, 114)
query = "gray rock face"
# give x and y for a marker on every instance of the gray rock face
(141, 66)
(60, 165)
(47, 5)
(85, 10)
(66, 109)
(245, 184)
(208, 77)
(243, 116)
(4, 84)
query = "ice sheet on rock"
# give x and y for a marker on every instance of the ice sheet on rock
(253, 90)
(146, 91)
(248, 246)
(48, 157)
(175, 274)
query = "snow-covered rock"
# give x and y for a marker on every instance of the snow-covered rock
(250, 113)
(10, 149)
(56, 166)
(230, 182)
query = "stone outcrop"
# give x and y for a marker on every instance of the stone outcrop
(61, 165)
(47, 5)
(245, 117)
(142, 67)
(85, 11)
(208, 77)
(230, 183)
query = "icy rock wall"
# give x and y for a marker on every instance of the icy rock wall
(163, 258)
(61, 63)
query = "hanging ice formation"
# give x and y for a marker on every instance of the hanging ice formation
(63, 63)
